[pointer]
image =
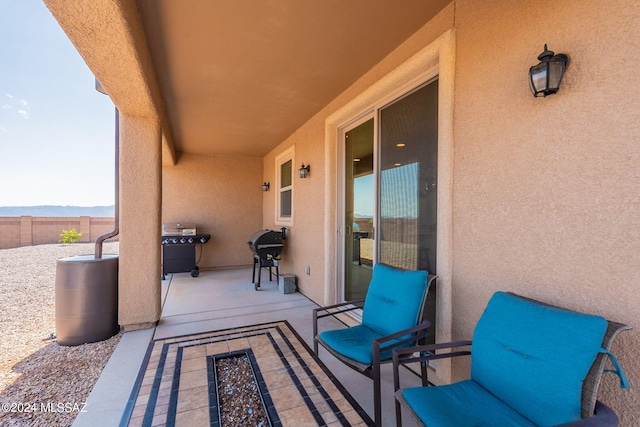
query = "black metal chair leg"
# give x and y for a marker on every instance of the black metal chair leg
(259, 272)
(253, 276)
(377, 394)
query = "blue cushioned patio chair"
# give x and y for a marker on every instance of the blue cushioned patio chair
(392, 317)
(532, 364)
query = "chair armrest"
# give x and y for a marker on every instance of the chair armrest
(604, 417)
(420, 331)
(426, 352)
(401, 356)
(342, 304)
(346, 306)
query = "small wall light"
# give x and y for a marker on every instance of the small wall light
(303, 172)
(545, 78)
(265, 186)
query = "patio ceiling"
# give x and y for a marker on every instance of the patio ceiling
(239, 77)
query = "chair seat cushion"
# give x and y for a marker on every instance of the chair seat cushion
(463, 404)
(354, 343)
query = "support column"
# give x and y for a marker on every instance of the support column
(140, 215)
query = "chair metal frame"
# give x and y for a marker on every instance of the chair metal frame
(418, 334)
(594, 412)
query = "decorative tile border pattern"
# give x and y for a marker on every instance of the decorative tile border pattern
(176, 386)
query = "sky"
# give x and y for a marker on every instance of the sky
(56, 131)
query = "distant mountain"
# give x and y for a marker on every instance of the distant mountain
(63, 211)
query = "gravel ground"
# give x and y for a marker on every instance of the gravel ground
(240, 402)
(41, 382)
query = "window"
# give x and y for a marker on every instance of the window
(284, 204)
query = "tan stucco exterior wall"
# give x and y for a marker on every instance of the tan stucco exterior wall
(140, 200)
(305, 236)
(223, 197)
(545, 195)
(544, 190)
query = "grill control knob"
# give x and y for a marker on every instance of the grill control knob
(174, 241)
(190, 240)
(203, 240)
(182, 240)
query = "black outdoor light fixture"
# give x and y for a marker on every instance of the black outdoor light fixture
(545, 78)
(265, 186)
(303, 172)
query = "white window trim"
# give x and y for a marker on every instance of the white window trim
(285, 156)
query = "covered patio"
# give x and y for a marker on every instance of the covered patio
(218, 301)
(241, 116)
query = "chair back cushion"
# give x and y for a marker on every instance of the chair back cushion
(394, 300)
(535, 357)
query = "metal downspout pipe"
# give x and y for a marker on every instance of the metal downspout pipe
(116, 230)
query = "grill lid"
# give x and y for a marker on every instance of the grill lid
(179, 229)
(265, 242)
(265, 238)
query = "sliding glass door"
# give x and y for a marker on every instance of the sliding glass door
(408, 181)
(390, 189)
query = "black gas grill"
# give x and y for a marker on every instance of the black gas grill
(266, 246)
(179, 248)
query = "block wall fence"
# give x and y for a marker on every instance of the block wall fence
(38, 230)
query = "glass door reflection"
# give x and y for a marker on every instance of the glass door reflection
(359, 210)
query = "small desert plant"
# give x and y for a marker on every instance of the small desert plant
(70, 236)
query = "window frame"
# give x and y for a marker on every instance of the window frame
(281, 159)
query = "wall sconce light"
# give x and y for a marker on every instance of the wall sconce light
(545, 78)
(265, 186)
(303, 172)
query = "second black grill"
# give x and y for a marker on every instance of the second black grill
(266, 246)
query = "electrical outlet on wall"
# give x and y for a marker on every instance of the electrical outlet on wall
(307, 270)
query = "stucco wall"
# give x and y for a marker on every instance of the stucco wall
(305, 236)
(222, 196)
(544, 190)
(139, 273)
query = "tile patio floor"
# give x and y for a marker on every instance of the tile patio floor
(218, 300)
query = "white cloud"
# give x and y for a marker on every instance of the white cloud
(21, 106)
